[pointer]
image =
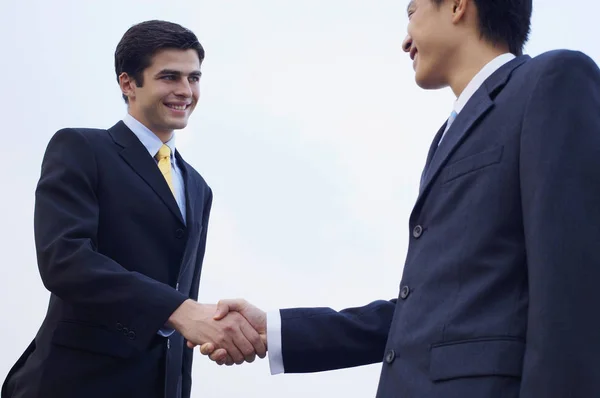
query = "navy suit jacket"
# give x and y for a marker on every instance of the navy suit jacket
(503, 266)
(118, 259)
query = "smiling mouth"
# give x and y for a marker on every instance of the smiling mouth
(177, 107)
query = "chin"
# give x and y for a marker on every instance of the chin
(428, 82)
(177, 124)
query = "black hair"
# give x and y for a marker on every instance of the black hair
(142, 41)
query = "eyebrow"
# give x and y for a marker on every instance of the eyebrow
(411, 3)
(195, 73)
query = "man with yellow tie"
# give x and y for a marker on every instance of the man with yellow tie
(120, 231)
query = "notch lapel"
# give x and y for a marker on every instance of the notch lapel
(136, 155)
(476, 108)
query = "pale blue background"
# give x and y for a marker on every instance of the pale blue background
(310, 130)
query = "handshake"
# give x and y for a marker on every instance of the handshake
(233, 331)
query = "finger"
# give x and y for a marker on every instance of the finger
(190, 344)
(207, 348)
(231, 340)
(226, 306)
(229, 361)
(219, 356)
(222, 310)
(253, 338)
(242, 344)
(223, 360)
(263, 337)
(235, 354)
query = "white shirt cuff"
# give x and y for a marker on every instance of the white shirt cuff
(274, 342)
(165, 332)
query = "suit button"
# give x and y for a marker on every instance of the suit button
(390, 356)
(417, 231)
(119, 327)
(404, 292)
(131, 335)
(125, 331)
(179, 233)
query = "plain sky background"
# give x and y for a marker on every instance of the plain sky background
(310, 131)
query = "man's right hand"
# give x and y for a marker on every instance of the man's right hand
(226, 308)
(234, 334)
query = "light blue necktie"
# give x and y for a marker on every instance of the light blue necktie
(450, 121)
(434, 147)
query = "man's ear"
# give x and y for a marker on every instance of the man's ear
(459, 9)
(127, 84)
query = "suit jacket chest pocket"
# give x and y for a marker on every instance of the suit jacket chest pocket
(471, 164)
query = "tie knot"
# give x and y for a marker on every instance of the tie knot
(163, 152)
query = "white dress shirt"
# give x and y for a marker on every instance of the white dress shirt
(153, 144)
(273, 317)
(477, 81)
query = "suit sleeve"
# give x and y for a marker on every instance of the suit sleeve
(320, 339)
(560, 183)
(65, 227)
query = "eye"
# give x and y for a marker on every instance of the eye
(195, 79)
(168, 77)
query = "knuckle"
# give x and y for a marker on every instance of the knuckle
(221, 340)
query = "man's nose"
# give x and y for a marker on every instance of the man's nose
(407, 43)
(184, 89)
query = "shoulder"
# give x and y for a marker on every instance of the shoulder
(79, 134)
(564, 62)
(79, 139)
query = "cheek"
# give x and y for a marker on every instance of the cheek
(196, 91)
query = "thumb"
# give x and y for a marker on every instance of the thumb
(190, 344)
(263, 337)
(226, 306)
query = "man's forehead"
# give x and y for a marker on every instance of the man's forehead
(183, 61)
(175, 56)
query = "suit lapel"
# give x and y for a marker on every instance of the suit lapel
(432, 150)
(190, 189)
(477, 106)
(136, 155)
(475, 109)
(191, 193)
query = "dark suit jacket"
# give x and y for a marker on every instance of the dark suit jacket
(499, 289)
(115, 254)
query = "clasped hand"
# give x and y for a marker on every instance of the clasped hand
(233, 331)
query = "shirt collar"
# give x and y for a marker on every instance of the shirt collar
(479, 78)
(147, 137)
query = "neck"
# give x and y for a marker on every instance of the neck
(473, 59)
(164, 136)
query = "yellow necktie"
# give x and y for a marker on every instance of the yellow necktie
(164, 164)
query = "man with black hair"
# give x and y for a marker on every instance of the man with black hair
(120, 231)
(502, 269)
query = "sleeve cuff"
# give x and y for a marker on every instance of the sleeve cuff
(166, 332)
(274, 342)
